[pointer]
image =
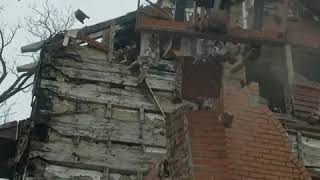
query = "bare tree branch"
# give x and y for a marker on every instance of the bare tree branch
(6, 111)
(3, 63)
(49, 21)
(4, 44)
(46, 22)
(16, 86)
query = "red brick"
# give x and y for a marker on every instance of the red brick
(271, 177)
(256, 147)
(256, 175)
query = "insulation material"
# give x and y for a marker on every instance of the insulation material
(310, 148)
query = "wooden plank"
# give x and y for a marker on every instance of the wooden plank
(28, 67)
(67, 173)
(118, 114)
(32, 47)
(87, 53)
(102, 129)
(155, 99)
(98, 94)
(91, 55)
(111, 41)
(98, 89)
(91, 155)
(60, 172)
(305, 109)
(307, 104)
(92, 42)
(306, 95)
(236, 34)
(111, 67)
(106, 24)
(156, 82)
(290, 70)
(58, 107)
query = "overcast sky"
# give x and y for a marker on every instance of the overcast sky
(15, 11)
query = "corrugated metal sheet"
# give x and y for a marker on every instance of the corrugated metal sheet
(306, 98)
(305, 33)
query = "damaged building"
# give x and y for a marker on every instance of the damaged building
(203, 90)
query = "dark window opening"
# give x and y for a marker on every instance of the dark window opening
(271, 74)
(306, 63)
(201, 80)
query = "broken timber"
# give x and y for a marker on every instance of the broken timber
(99, 120)
(184, 29)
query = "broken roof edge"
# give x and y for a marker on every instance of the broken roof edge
(103, 25)
(87, 30)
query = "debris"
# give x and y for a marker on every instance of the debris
(80, 16)
(92, 42)
(73, 33)
(108, 119)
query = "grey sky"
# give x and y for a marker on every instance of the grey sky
(15, 11)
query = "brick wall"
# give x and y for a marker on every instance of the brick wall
(179, 145)
(208, 146)
(255, 147)
(257, 144)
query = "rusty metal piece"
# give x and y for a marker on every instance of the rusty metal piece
(306, 99)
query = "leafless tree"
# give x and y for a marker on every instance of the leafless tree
(20, 83)
(46, 22)
(6, 112)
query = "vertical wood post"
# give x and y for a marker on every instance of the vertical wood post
(290, 71)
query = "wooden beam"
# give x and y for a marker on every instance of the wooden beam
(258, 14)
(154, 97)
(92, 42)
(290, 72)
(110, 130)
(28, 67)
(32, 47)
(163, 83)
(98, 94)
(122, 20)
(111, 41)
(91, 155)
(184, 29)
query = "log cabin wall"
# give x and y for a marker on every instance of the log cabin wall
(93, 120)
